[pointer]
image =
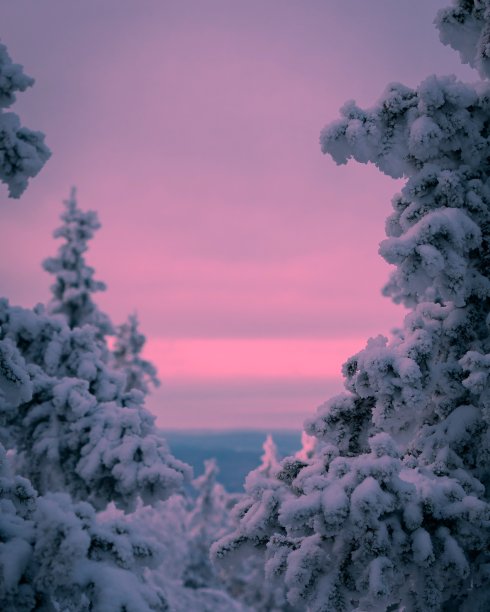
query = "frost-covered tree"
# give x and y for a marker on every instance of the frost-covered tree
(269, 462)
(128, 345)
(308, 446)
(465, 27)
(67, 415)
(74, 279)
(57, 555)
(392, 510)
(22, 151)
(244, 574)
(207, 520)
(183, 528)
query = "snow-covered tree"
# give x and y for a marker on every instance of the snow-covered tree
(74, 279)
(392, 510)
(308, 446)
(128, 345)
(57, 555)
(22, 151)
(465, 27)
(207, 520)
(244, 574)
(269, 462)
(73, 426)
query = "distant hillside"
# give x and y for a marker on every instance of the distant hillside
(237, 451)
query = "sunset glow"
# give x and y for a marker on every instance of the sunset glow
(250, 258)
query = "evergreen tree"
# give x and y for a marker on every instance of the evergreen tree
(73, 426)
(74, 283)
(206, 521)
(129, 343)
(308, 446)
(392, 511)
(22, 151)
(57, 555)
(269, 463)
(244, 574)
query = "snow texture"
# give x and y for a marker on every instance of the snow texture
(465, 27)
(22, 151)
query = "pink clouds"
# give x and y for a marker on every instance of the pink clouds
(250, 358)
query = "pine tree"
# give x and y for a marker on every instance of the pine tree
(392, 511)
(129, 343)
(22, 151)
(207, 519)
(57, 555)
(74, 283)
(73, 426)
(269, 462)
(308, 446)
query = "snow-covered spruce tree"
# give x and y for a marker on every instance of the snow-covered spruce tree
(392, 511)
(207, 520)
(22, 151)
(57, 555)
(67, 415)
(129, 343)
(184, 528)
(244, 573)
(269, 462)
(308, 446)
(74, 283)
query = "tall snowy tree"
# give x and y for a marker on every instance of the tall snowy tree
(74, 279)
(22, 151)
(392, 510)
(129, 343)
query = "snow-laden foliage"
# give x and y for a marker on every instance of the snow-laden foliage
(66, 413)
(22, 151)
(74, 279)
(184, 528)
(392, 511)
(244, 572)
(465, 27)
(59, 555)
(207, 520)
(128, 345)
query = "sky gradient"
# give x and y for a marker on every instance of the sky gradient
(192, 128)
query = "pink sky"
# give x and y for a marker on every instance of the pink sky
(192, 128)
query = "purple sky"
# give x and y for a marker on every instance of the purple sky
(192, 128)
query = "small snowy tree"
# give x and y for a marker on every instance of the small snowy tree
(308, 446)
(208, 519)
(129, 343)
(392, 510)
(74, 283)
(269, 463)
(22, 151)
(244, 573)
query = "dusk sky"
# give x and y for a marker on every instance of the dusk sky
(192, 128)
